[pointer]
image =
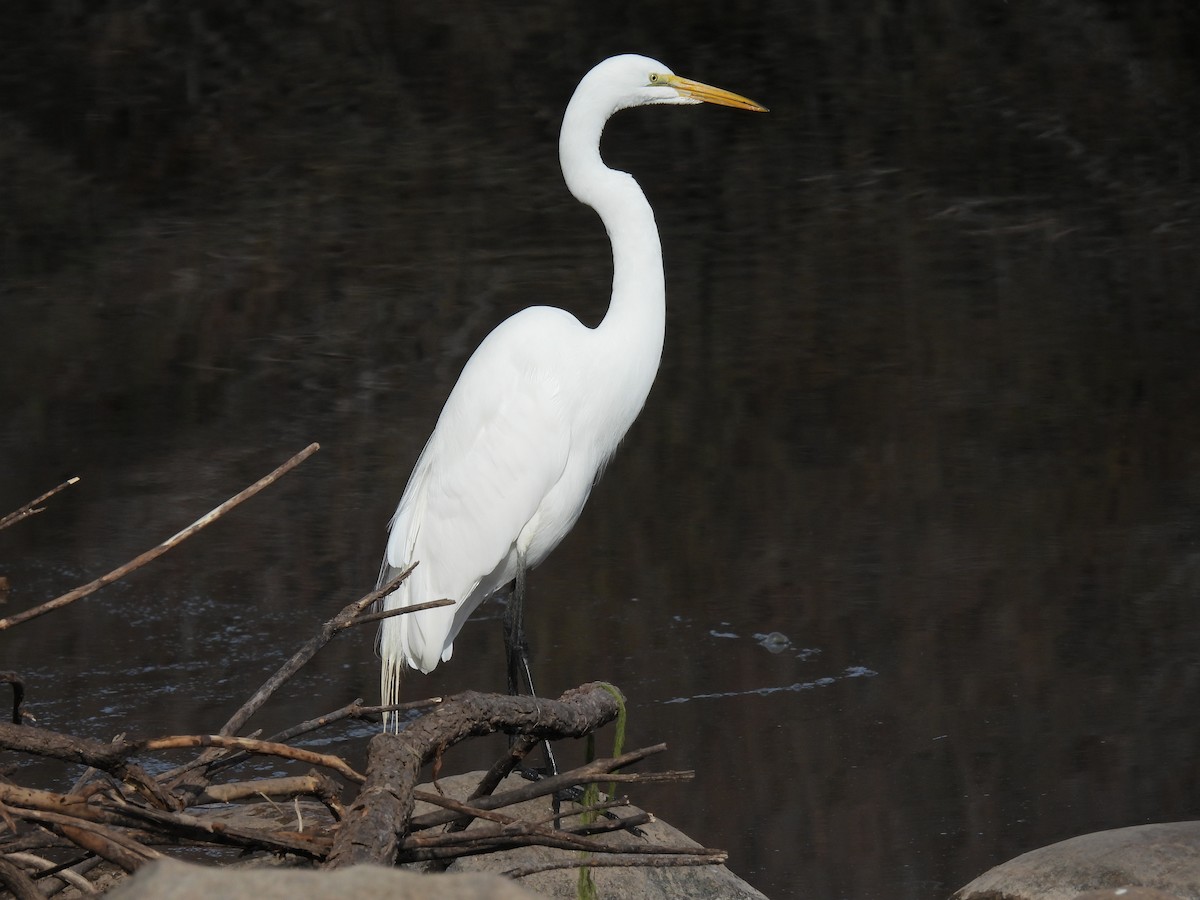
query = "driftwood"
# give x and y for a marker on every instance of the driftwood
(384, 805)
(119, 813)
(31, 508)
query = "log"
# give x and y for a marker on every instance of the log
(378, 818)
(109, 757)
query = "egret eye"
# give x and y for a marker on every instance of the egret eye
(655, 78)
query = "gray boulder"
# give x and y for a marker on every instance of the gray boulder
(641, 883)
(1144, 861)
(169, 879)
(470, 878)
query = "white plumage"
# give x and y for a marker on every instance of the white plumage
(542, 403)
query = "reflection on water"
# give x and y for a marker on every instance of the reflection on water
(926, 411)
(852, 672)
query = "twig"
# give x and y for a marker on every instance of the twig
(504, 765)
(291, 786)
(112, 758)
(715, 858)
(401, 707)
(92, 835)
(182, 824)
(342, 620)
(500, 769)
(339, 622)
(518, 835)
(267, 748)
(152, 554)
(615, 803)
(28, 509)
(597, 770)
(470, 812)
(367, 618)
(350, 710)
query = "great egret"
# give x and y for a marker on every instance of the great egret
(539, 407)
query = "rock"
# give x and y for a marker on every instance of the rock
(1150, 862)
(468, 878)
(641, 883)
(170, 879)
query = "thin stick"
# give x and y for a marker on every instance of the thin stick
(715, 858)
(112, 835)
(460, 807)
(353, 710)
(348, 617)
(28, 509)
(342, 620)
(597, 770)
(154, 553)
(401, 707)
(267, 748)
(367, 618)
(487, 838)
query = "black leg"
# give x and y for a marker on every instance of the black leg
(516, 646)
(516, 649)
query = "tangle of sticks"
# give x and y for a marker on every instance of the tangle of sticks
(119, 813)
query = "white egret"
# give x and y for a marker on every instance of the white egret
(539, 407)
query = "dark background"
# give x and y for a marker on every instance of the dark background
(926, 409)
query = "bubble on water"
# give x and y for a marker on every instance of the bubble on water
(775, 642)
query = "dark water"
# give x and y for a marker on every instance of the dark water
(902, 555)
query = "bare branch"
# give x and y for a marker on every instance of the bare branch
(29, 508)
(342, 620)
(266, 748)
(153, 554)
(379, 817)
(597, 770)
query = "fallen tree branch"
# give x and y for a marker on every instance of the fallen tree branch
(264, 748)
(344, 619)
(197, 828)
(93, 834)
(31, 508)
(379, 816)
(315, 784)
(347, 618)
(597, 770)
(155, 552)
(352, 710)
(109, 757)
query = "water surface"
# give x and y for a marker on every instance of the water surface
(901, 556)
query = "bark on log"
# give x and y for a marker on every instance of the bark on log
(108, 757)
(379, 816)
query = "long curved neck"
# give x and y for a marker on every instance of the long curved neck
(637, 311)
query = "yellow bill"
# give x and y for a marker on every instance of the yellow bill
(706, 93)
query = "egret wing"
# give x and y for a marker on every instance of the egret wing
(500, 445)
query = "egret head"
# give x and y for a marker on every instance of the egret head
(632, 80)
